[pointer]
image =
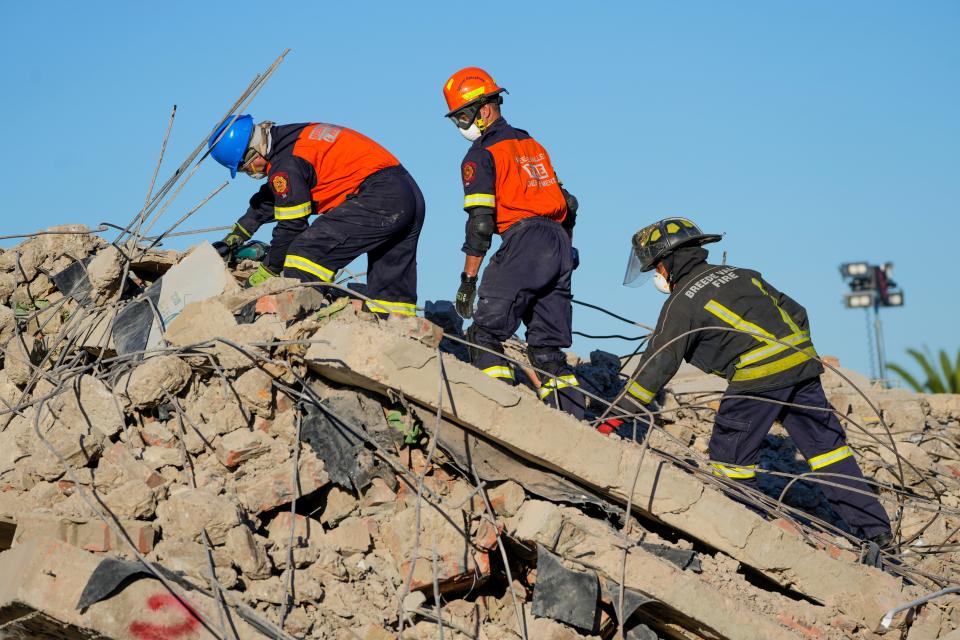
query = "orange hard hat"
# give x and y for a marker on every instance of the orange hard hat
(468, 86)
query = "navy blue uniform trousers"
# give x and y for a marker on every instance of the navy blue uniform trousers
(742, 424)
(382, 219)
(528, 281)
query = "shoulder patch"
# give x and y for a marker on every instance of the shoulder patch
(280, 183)
(469, 173)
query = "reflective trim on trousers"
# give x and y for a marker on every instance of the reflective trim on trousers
(560, 382)
(737, 473)
(385, 306)
(309, 266)
(638, 392)
(828, 458)
(499, 371)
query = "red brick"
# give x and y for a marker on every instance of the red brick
(800, 626)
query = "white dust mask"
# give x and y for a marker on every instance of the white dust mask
(471, 133)
(660, 282)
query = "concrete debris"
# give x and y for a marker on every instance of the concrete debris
(275, 448)
(153, 380)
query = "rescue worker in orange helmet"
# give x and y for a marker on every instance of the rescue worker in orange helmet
(364, 200)
(510, 188)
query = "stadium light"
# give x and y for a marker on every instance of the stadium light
(872, 286)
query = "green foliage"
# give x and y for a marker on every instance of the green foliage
(945, 379)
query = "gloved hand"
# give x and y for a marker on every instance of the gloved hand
(262, 274)
(231, 242)
(466, 295)
(575, 257)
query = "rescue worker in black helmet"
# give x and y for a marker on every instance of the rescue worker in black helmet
(731, 322)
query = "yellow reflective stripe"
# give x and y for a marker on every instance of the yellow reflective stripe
(561, 382)
(736, 321)
(385, 306)
(299, 262)
(764, 370)
(479, 200)
(762, 353)
(294, 212)
(783, 314)
(638, 392)
(828, 458)
(238, 227)
(473, 93)
(499, 371)
(734, 472)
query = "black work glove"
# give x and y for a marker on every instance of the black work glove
(230, 243)
(575, 257)
(466, 294)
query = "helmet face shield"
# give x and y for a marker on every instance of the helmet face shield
(635, 275)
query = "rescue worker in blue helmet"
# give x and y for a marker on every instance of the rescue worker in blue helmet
(510, 188)
(731, 322)
(363, 199)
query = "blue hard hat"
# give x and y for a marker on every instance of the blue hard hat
(229, 151)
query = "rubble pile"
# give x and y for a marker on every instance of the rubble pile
(183, 458)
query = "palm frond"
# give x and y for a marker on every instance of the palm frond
(905, 375)
(933, 384)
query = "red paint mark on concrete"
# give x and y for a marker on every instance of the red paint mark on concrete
(178, 629)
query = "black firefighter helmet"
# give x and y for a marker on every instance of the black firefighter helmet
(654, 242)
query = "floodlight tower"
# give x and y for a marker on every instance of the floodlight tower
(872, 286)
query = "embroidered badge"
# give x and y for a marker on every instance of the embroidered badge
(279, 183)
(469, 172)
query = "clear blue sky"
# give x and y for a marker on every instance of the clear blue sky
(810, 133)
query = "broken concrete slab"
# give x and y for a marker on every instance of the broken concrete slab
(462, 546)
(185, 513)
(695, 605)
(87, 404)
(365, 355)
(52, 576)
(152, 380)
(268, 490)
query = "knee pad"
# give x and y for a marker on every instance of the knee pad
(550, 359)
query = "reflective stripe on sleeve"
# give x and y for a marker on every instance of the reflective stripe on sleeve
(294, 212)
(561, 382)
(638, 392)
(303, 264)
(499, 371)
(828, 458)
(479, 200)
(385, 306)
(738, 473)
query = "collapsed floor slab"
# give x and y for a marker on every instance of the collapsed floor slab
(52, 575)
(376, 358)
